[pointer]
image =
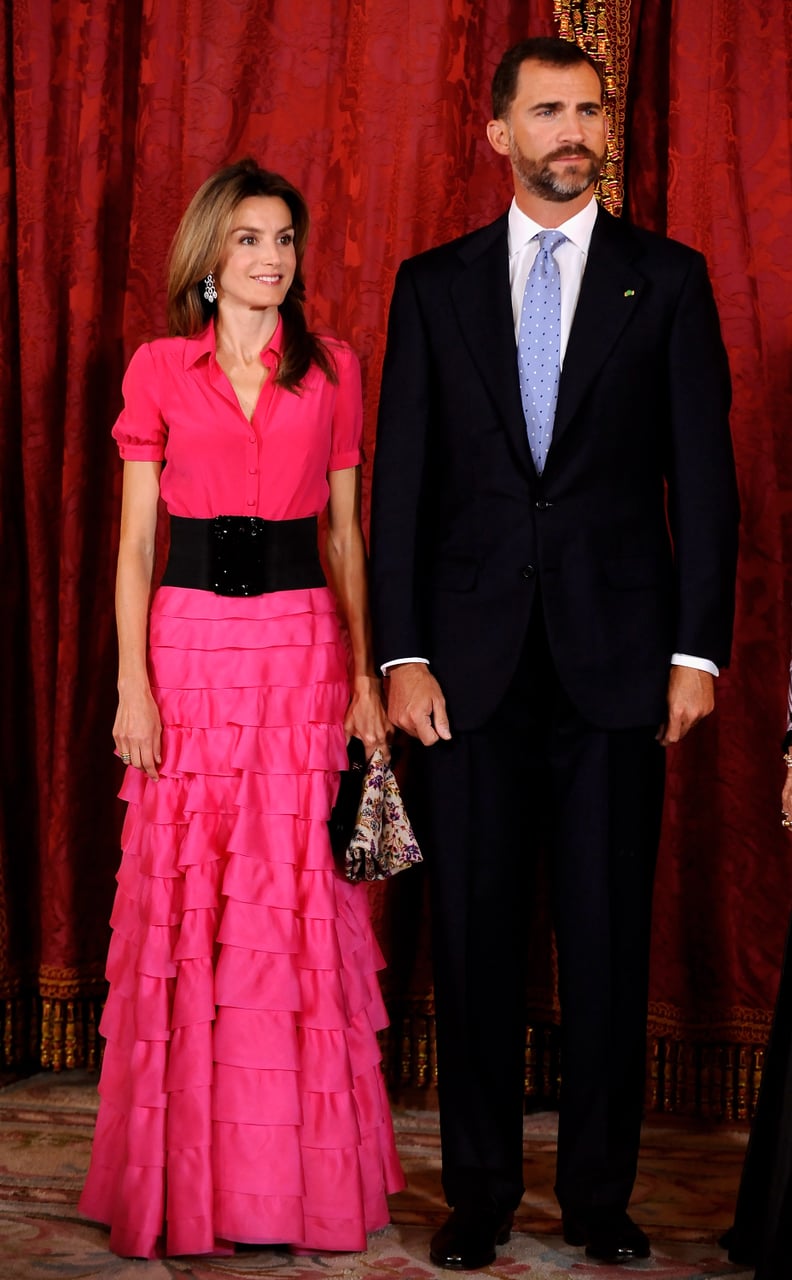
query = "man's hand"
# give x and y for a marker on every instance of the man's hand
(786, 795)
(416, 703)
(691, 697)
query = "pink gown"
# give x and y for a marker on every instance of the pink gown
(241, 1097)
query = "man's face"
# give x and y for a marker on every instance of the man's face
(557, 131)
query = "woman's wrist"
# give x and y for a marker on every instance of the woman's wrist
(131, 684)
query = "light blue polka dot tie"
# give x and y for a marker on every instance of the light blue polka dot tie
(539, 345)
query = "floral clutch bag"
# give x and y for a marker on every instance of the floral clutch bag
(375, 840)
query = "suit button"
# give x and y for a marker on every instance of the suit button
(542, 505)
(528, 571)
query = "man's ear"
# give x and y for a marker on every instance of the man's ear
(498, 136)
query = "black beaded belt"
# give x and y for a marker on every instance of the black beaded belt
(243, 555)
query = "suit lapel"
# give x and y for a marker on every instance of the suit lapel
(482, 297)
(609, 298)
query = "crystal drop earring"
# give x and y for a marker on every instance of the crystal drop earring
(210, 292)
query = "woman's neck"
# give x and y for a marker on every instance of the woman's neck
(242, 335)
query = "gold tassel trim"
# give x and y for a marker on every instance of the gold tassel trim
(602, 28)
(718, 1081)
(52, 1034)
(69, 1033)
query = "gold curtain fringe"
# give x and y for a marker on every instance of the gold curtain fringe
(718, 1081)
(602, 28)
(69, 1035)
(713, 1081)
(56, 983)
(56, 1034)
(738, 1025)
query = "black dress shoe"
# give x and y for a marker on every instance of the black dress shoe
(608, 1237)
(467, 1239)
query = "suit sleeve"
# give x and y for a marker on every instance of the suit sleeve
(399, 479)
(703, 506)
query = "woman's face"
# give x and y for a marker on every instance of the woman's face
(258, 260)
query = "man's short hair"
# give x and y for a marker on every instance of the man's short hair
(549, 50)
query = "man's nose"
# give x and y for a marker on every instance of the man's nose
(571, 127)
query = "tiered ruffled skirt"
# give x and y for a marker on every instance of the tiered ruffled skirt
(241, 1093)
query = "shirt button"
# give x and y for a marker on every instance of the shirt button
(251, 502)
(252, 471)
(252, 439)
(528, 571)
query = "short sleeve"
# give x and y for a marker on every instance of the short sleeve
(347, 427)
(140, 430)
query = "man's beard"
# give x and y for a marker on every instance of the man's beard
(538, 178)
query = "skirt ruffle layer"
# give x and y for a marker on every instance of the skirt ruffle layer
(241, 1097)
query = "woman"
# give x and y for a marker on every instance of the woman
(762, 1220)
(241, 1095)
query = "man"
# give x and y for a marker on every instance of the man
(553, 577)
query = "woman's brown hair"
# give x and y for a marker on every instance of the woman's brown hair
(196, 250)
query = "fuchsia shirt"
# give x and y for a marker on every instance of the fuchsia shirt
(180, 408)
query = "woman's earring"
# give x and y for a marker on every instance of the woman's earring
(210, 292)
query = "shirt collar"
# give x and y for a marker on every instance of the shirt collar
(578, 228)
(205, 344)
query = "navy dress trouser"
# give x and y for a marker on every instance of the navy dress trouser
(537, 775)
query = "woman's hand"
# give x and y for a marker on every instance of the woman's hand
(138, 730)
(366, 717)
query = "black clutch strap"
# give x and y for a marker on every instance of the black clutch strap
(243, 555)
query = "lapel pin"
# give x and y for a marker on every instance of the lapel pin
(629, 293)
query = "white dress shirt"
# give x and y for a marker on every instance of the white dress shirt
(571, 257)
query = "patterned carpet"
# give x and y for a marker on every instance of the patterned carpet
(684, 1199)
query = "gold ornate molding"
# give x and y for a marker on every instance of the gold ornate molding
(602, 28)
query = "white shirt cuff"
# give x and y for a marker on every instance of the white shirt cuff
(699, 664)
(400, 662)
(677, 660)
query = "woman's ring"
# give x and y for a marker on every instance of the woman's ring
(786, 821)
(125, 757)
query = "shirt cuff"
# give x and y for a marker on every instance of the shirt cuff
(400, 662)
(343, 461)
(698, 664)
(132, 452)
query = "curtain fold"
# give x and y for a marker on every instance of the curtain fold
(115, 113)
(723, 890)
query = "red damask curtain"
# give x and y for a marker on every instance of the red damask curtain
(114, 113)
(714, 169)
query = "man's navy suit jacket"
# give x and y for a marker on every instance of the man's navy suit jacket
(631, 531)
